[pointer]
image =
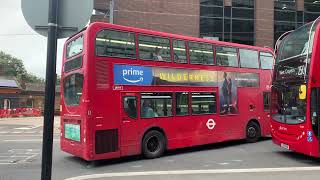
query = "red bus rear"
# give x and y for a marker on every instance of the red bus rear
(127, 91)
(295, 91)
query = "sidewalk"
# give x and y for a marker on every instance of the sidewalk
(28, 121)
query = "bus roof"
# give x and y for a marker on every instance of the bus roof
(174, 36)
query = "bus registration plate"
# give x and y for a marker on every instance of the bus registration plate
(286, 146)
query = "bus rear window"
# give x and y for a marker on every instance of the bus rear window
(75, 47)
(72, 88)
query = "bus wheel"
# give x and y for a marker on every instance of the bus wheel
(153, 144)
(253, 132)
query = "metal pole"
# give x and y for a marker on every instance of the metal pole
(46, 166)
(111, 11)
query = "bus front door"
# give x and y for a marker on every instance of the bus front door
(315, 112)
(129, 137)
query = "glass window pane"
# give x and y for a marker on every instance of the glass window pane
(226, 56)
(130, 106)
(72, 89)
(227, 12)
(154, 48)
(200, 53)
(266, 101)
(182, 100)
(266, 60)
(311, 6)
(248, 58)
(75, 47)
(179, 51)
(204, 103)
(243, 31)
(243, 3)
(116, 44)
(210, 26)
(311, 16)
(285, 4)
(156, 105)
(281, 15)
(212, 2)
(211, 11)
(243, 13)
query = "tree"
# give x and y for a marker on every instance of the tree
(11, 66)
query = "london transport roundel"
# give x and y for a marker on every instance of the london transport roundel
(210, 124)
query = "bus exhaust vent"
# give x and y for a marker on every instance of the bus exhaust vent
(102, 72)
(106, 141)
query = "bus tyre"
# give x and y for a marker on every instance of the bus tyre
(153, 144)
(253, 132)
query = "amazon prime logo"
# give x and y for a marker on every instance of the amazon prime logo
(132, 75)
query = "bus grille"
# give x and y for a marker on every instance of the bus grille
(106, 141)
(102, 72)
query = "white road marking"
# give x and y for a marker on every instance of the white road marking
(7, 163)
(224, 163)
(192, 172)
(4, 132)
(16, 132)
(137, 166)
(27, 140)
(237, 160)
(27, 127)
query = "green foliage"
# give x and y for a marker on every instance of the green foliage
(11, 66)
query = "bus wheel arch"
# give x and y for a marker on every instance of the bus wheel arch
(253, 131)
(153, 143)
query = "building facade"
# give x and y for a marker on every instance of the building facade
(253, 22)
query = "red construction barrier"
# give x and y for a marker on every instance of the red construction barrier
(20, 112)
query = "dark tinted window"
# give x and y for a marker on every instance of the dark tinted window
(243, 3)
(130, 106)
(154, 48)
(182, 106)
(179, 51)
(226, 56)
(266, 101)
(248, 58)
(72, 89)
(200, 53)
(212, 2)
(116, 44)
(204, 103)
(73, 64)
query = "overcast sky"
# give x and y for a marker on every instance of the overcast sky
(19, 40)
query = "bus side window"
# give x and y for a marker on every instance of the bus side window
(204, 103)
(226, 56)
(249, 58)
(130, 106)
(179, 51)
(182, 103)
(266, 60)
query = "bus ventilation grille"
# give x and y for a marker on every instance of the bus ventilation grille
(102, 72)
(106, 141)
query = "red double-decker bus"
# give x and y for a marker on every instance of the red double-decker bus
(127, 91)
(295, 91)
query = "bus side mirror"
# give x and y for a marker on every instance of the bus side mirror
(302, 92)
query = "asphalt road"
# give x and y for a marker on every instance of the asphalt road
(20, 158)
